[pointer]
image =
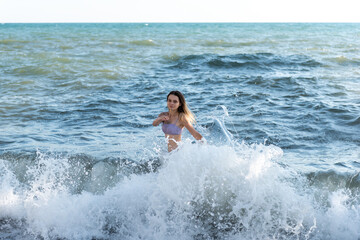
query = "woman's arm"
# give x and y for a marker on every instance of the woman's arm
(192, 130)
(162, 117)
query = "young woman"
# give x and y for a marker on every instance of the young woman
(178, 117)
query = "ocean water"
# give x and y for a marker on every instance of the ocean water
(278, 103)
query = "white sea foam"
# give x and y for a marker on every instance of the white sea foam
(201, 191)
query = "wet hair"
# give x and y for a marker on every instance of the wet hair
(184, 112)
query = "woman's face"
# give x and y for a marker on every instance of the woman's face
(173, 102)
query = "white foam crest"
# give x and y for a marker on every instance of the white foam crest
(242, 191)
(46, 202)
(10, 202)
(65, 216)
(49, 207)
(201, 191)
(342, 219)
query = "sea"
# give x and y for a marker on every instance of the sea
(278, 105)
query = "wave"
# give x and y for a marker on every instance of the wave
(13, 41)
(355, 122)
(333, 180)
(200, 191)
(61, 69)
(148, 42)
(258, 61)
(31, 70)
(345, 61)
(222, 43)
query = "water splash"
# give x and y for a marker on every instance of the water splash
(200, 191)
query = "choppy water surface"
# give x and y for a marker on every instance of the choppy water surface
(278, 104)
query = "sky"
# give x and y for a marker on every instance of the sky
(26, 11)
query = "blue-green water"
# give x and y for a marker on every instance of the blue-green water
(278, 103)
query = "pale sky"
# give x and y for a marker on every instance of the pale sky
(179, 11)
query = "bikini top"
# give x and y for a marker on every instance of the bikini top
(171, 128)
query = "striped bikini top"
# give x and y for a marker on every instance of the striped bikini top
(171, 128)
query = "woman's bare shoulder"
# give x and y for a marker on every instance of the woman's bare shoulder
(184, 122)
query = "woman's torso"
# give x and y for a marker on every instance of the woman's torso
(173, 130)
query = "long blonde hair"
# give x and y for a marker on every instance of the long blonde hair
(184, 112)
